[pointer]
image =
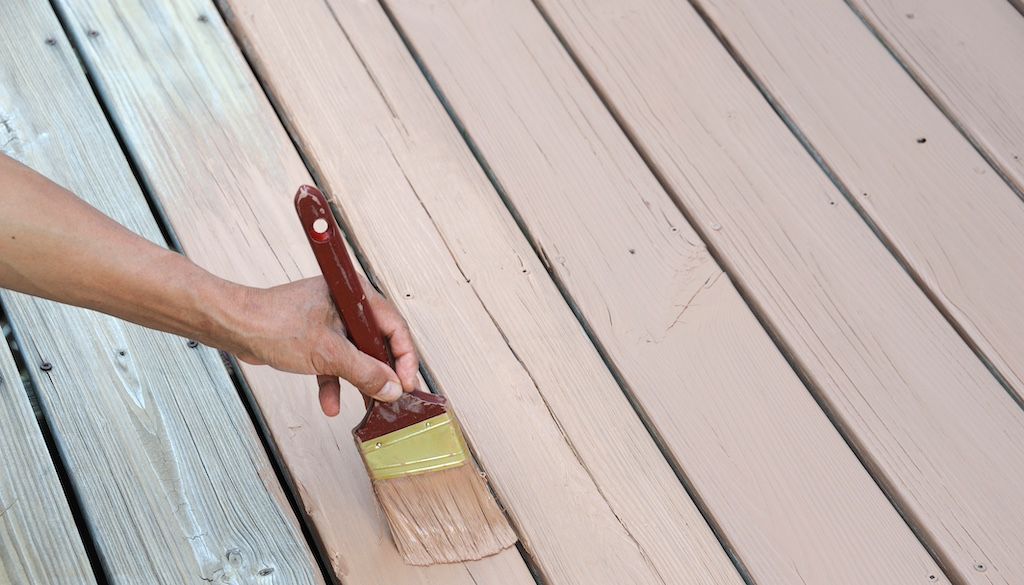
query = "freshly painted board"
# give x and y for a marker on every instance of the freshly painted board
(941, 436)
(39, 542)
(217, 159)
(953, 220)
(967, 54)
(727, 406)
(497, 335)
(174, 483)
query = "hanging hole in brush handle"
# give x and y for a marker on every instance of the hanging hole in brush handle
(342, 279)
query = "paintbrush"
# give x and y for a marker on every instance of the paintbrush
(435, 499)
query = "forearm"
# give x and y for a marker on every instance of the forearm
(53, 245)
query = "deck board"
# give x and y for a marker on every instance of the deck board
(173, 481)
(934, 426)
(472, 287)
(722, 398)
(967, 55)
(954, 221)
(39, 542)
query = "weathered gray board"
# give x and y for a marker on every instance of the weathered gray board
(172, 477)
(39, 542)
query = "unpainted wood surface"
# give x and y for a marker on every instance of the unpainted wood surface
(786, 491)
(588, 511)
(936, 429)
(39, 542)
(174, 483)
(967, 55)
(958, 226)
(217, 159)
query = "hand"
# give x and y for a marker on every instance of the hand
(296, 328)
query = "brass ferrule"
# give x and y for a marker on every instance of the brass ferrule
(430, 445)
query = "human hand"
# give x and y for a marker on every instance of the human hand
(296, 328)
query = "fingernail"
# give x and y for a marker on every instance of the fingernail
(389, 393)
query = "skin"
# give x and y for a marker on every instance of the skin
(54, 245)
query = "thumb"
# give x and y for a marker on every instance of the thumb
(330, 395)
(369, 375)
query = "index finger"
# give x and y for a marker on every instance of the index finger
(396, 330)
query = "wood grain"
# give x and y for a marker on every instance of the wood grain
(719, 394)
(39, 542)
(936, 429)
(953, 220)
(966, 55)
(174, 483)
(215, 156)
(590, 511)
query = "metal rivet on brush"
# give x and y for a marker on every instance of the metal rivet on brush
(46, 366)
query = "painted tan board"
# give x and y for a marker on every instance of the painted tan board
(174, 483)
(942, 208)
(720, 395)
(967, 55)
(606, 509)
(942, 437)
(39, 542)
(216, 157)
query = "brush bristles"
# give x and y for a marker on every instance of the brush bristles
(444, 516)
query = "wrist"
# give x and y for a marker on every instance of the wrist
(228, 315)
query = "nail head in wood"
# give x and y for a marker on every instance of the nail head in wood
(192, 343)
(46, 366)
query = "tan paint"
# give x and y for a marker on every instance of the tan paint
(950, 215)
(174, 483)
(788, 494)
(386, 149)
(939, 433)
(967, 56)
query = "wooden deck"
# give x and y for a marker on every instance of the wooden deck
(724, 292)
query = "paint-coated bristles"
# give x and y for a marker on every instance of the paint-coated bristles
(444, 516)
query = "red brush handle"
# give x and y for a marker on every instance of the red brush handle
(342, 279)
